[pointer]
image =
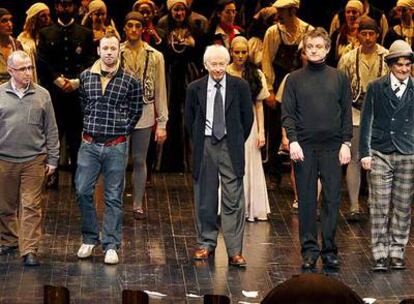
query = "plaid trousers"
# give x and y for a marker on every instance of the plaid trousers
(391, 189)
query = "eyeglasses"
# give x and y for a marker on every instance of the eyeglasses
(28, 68)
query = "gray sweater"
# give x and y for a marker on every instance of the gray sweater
(27, 125)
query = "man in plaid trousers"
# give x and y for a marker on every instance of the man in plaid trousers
(387, 151)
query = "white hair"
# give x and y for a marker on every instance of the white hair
(216, 50)
(13, 55)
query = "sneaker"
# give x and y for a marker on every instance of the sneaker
(111, 257)
(85, 251)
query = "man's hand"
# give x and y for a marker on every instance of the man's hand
(366, 162)
(344, 155)
(160, 135)
(67, 87)
(296, 153)
(285, 143)
(49, 170)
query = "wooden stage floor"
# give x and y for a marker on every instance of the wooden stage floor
(156, 253)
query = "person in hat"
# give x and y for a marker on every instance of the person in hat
(148, 10)
(316, 113)
(8, 44)
(345, 38)
(98, 21)
(146, 64)
(386, 150)
(280, 48)
(370, 11)
(182, 49)
(361, 65)
(403, 30)
(65, 49)
(37, 17)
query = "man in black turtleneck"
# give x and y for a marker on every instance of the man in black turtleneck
(316, 113)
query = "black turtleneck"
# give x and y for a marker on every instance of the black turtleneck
(316, 107)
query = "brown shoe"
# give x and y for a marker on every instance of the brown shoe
(202, 254)
(237, 260)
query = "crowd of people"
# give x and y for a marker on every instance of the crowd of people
(220, 96)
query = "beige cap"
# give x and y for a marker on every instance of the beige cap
(399, 48)
(405, 3)
(96, 5)
(138, 3)
(355, 4)
(286, 3)
(35, 9)
(171, 3)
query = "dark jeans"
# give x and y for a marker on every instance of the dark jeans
(325, 164)
(111, 161)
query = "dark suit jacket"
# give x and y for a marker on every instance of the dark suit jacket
(239, 119)
(64, 51)
(387, 123)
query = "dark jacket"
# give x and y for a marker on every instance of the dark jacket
(64, 51)
(385, 127)
(239, 119)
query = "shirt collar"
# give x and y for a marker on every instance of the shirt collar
(222, 81)
(67, 24)
(13, 86)
(395, 82)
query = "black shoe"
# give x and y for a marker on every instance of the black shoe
(7, 249)
(380, 265)
(31, 259)
(309, 263)
(353, 217)
(397, 264)
(331, 261)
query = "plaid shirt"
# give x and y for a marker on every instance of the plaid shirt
(114, 113)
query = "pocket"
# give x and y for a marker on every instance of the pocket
(35, 116)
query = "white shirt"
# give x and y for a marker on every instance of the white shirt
(395, 84)
(211, 93)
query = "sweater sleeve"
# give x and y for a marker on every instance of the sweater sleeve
(346, 109)
(51, 134)
(289, 110)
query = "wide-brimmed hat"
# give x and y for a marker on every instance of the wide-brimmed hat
(399, 48)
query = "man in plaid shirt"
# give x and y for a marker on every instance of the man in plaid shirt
(112, 104)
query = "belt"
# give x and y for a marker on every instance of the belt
(111, 142)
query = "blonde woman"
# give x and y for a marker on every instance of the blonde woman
(255, 191)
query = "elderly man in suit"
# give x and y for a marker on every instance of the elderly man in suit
(218, 116)
(387, 151)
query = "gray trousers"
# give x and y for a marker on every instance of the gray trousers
(391, 190)
(216, 162)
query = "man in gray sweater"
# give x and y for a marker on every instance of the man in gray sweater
(29, 150)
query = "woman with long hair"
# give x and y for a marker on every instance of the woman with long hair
(254, 183)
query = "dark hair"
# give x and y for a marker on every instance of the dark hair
(215, 20)
(252, 76)
(394, 60)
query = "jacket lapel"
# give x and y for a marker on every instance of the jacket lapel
(202, 93)
(407, 96)
(229, 91)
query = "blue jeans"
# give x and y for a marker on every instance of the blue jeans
(111, 161)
